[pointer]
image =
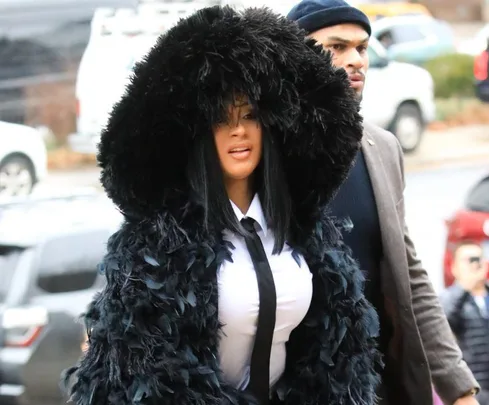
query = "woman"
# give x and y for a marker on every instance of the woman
(230, 116)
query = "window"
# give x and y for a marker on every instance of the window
(406, 33)
(386, 39)
(69, 263)
(478, 198)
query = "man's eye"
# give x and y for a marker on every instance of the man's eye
(362, 48)
(338, 47)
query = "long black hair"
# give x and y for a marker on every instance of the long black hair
(206, 180)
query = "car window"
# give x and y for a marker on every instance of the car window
(406, 33)
(441, 29)
(478, 197)
(69, 263)
(9, 257)
(386, 38)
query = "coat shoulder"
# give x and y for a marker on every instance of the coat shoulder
(384, 139)
(390, 157)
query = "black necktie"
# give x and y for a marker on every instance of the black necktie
(260, 357)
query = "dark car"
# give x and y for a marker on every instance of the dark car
(471, 222)
(49, 253)
(41, 44)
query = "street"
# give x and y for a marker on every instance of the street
(431, 196)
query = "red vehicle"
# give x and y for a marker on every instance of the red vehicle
(481, 74)
(469, 223)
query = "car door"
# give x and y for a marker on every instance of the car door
(380, 98)
(66, 281)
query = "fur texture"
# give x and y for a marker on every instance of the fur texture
(154, 330)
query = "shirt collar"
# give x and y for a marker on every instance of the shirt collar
(255, 212)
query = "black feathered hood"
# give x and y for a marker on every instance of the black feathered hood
(180, 88)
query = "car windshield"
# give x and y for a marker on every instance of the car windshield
(9, 256)
(478, 198)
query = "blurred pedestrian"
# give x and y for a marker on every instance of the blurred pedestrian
(415, 336)
(228, 282)
(466, 304)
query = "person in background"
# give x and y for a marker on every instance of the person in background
(416, 339)
(466, 304)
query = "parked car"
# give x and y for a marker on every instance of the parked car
(23, 159)
(378, 10)
(414, 39)
(41, 44)
(471, 222)
(49, 252)
(398, 96)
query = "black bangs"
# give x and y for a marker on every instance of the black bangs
(232, 99)
(187, 82)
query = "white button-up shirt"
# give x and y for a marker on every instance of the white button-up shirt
(239, 301)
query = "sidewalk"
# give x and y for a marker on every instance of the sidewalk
(460, 145)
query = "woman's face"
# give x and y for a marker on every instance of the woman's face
(239, 142)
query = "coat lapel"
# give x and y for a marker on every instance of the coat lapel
(389, 224)
(393, 268)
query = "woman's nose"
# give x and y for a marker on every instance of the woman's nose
(238, 130)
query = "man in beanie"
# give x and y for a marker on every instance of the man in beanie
(415, 339)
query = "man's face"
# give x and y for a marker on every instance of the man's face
(468, 259)
(348, 44)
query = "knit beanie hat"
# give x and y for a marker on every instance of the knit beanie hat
(313, 15)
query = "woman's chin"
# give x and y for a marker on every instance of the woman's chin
(240, 173)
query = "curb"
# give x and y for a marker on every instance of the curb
(416, 164)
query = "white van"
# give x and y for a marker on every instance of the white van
(397, 96)
(119, 37)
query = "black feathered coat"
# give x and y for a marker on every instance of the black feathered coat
(154, 329)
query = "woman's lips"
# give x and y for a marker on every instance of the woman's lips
(240, 153)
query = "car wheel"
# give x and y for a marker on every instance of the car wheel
(16, 177)
(408, 127)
